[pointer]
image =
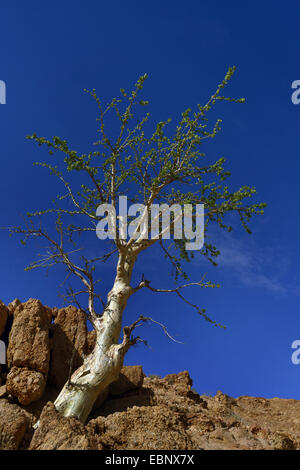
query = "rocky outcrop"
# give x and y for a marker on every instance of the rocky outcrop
(130, 378)
(29, 337)
(142, 428)
(91, 341)
(222, 422)
(165, 414)
(68, 344)
(28, 353)
(135, 412)
(13, 305)
(13, 425)
(58, 433)
(3, 317)
(25, 384)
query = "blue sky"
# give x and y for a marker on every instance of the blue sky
(51, 51)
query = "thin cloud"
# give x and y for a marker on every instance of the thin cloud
(252, 264)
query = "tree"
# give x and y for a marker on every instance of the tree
(166, 168)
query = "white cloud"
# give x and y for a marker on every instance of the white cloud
(254, 266)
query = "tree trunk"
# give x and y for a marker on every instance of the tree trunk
(103, 365)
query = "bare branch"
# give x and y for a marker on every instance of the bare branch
(127, 330)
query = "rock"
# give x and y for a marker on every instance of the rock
(13, 424)
(142, 428)
(3, 391)
(101, 399)
(91, 341)
(25, 384)
(163, 413)
(68, 331)
(3, 317)
(140, 397)
(55, 311)
(55, 432)
(135, 412)
(130, 378)
(13, 305)
(283, 442)
(173, 389)
(181, 382)
(182, 378)
(29, 337)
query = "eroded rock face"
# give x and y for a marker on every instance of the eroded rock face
(3, 391)
(167, 414)
(142, 428)
(13, 305)
(28, 352)
(135, 412)
(25, 384)
(68, 331)
(29, 337)
(91, 341)
(131, 378)
(3, 317)
(58, 433)
(13, 425)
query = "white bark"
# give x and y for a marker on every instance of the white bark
(103, 365)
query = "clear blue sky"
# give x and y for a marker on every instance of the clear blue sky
(50, 51)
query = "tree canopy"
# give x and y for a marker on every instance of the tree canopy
(165, 165)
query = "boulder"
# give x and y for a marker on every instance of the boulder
(26, 385)
(13, 425)
(69, 331)
(29, 337)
